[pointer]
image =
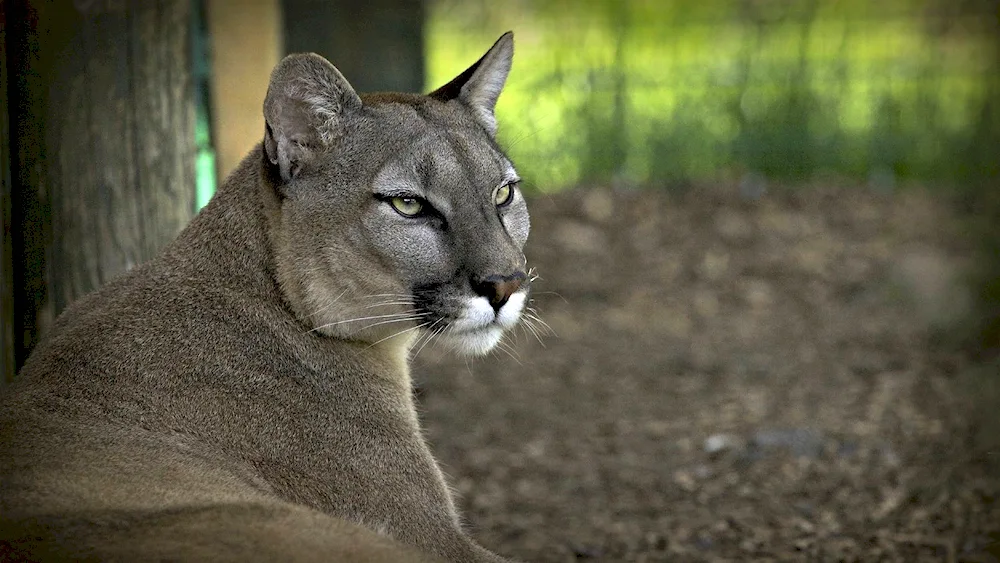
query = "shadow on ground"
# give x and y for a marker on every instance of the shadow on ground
(730, 379)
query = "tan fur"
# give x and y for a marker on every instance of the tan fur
(223, 402)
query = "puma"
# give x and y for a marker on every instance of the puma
(246, 395)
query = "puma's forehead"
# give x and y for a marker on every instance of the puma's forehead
(437, 144)
(442, 166)
(412, 110)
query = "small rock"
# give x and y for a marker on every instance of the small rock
(804, 525)
(717, 443)
(684, 480)
(892, 500)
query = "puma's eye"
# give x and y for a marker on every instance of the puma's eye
(407, 206)
(504, 195)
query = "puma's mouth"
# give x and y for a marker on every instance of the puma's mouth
(478, 328)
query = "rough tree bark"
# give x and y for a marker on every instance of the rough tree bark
(103, 121)
(378, 45)
(7, 366)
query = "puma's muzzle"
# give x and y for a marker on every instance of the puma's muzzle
(497, 289)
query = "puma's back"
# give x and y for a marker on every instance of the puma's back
(246, 395)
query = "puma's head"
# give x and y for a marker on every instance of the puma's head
(392, 213)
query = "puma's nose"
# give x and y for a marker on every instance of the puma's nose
(498, 289)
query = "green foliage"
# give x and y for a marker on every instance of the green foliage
(653, 92)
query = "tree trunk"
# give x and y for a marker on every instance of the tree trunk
(378, 45)
(7, 366)
(105, 143)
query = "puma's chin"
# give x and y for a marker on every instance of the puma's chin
(474, 342)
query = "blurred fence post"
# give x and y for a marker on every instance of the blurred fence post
(377, 45)
(245, 39)
(102, 126)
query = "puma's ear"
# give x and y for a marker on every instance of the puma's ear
(480, 85)
(304, 110)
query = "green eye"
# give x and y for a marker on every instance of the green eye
(407, 206)
(504, 195)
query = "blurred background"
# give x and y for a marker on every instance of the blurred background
(768, 233)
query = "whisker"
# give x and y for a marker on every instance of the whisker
(504, 346)
(516, 333)
(418, 344)
(362, 319)
(410, 318)
(330, 304)
(422, 338)
(438, 333)
(538, 329)
(431, 333)
(400, 333)
(557, 294)
(530, 313)
(548, 330)
(389, 303)
(528, 325)
(397, 295)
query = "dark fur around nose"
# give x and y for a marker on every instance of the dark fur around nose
(498, 289)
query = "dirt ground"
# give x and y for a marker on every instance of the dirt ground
(729, 380)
